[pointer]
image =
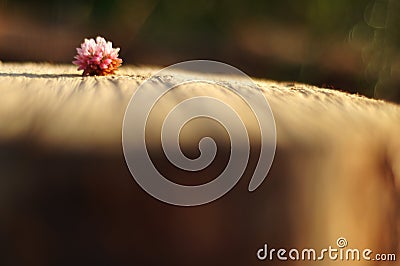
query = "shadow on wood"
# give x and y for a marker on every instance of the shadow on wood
(67, 196)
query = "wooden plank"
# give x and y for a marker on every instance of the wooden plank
(336, 171)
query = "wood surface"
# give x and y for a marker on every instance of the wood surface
(67, 195)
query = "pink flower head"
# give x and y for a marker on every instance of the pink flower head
(97, 58)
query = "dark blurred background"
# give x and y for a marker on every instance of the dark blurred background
(76, 208)
(348, 45)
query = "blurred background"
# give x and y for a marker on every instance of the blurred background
(84, 208)
(348, 45)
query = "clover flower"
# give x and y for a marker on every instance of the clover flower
(97, 58)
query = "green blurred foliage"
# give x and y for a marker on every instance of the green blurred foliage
(352, 45)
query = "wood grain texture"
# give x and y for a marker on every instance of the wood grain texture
(336, 173)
